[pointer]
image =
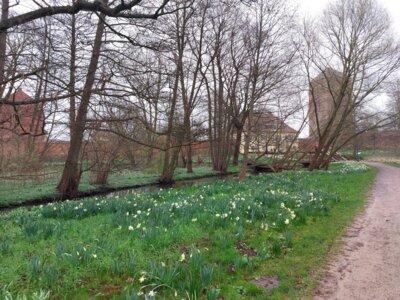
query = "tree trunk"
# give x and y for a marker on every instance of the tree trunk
(356, 147)
(167, 176)
(189, 159)
(245, 160)
(187, 142)
(169, 167)
(69, 182)
(149, 158)
(3, 44)
(170, 156)
(183, 157)
(236, 150)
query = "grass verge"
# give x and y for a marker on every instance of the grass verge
(393, 164)
(204, 242)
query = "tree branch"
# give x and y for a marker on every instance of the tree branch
(122, 10)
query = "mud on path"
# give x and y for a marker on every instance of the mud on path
(368, 267)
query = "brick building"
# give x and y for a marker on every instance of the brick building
(270, 133)
(324, 106)
(21, 127)
(380, 140)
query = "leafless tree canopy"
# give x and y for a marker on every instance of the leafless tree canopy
(134, 9)
(155, 80)
(347, 59)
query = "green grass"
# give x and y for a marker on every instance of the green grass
(190, 241)
(365, 154)
(20, 191)
(393, 164)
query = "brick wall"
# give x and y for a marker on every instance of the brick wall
(21, 127)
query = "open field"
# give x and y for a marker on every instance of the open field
(209, 241)
(380, 155)
(393, 163)
(16, 191)
(371, 154)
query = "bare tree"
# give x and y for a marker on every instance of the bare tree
(116, 9)
(222, 20)
(348, 55)
(5, 6)
(270, 58)
(394, 103)
(71, 174)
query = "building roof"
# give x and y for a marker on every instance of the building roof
(329, 73)
(19, 96)
(267, 117)
(21, 119)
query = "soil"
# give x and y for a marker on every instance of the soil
(368, 267)
(245, 250)
(267, 282)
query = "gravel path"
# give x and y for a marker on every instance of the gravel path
(368, 267)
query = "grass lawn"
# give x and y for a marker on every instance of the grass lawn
(370, 154)
(18, 191)
(393, 164)
(202, 242)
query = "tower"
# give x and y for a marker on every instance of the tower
(330, 107)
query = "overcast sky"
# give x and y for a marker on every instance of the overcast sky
(314, 8)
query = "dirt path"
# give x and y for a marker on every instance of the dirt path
(369, 265)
